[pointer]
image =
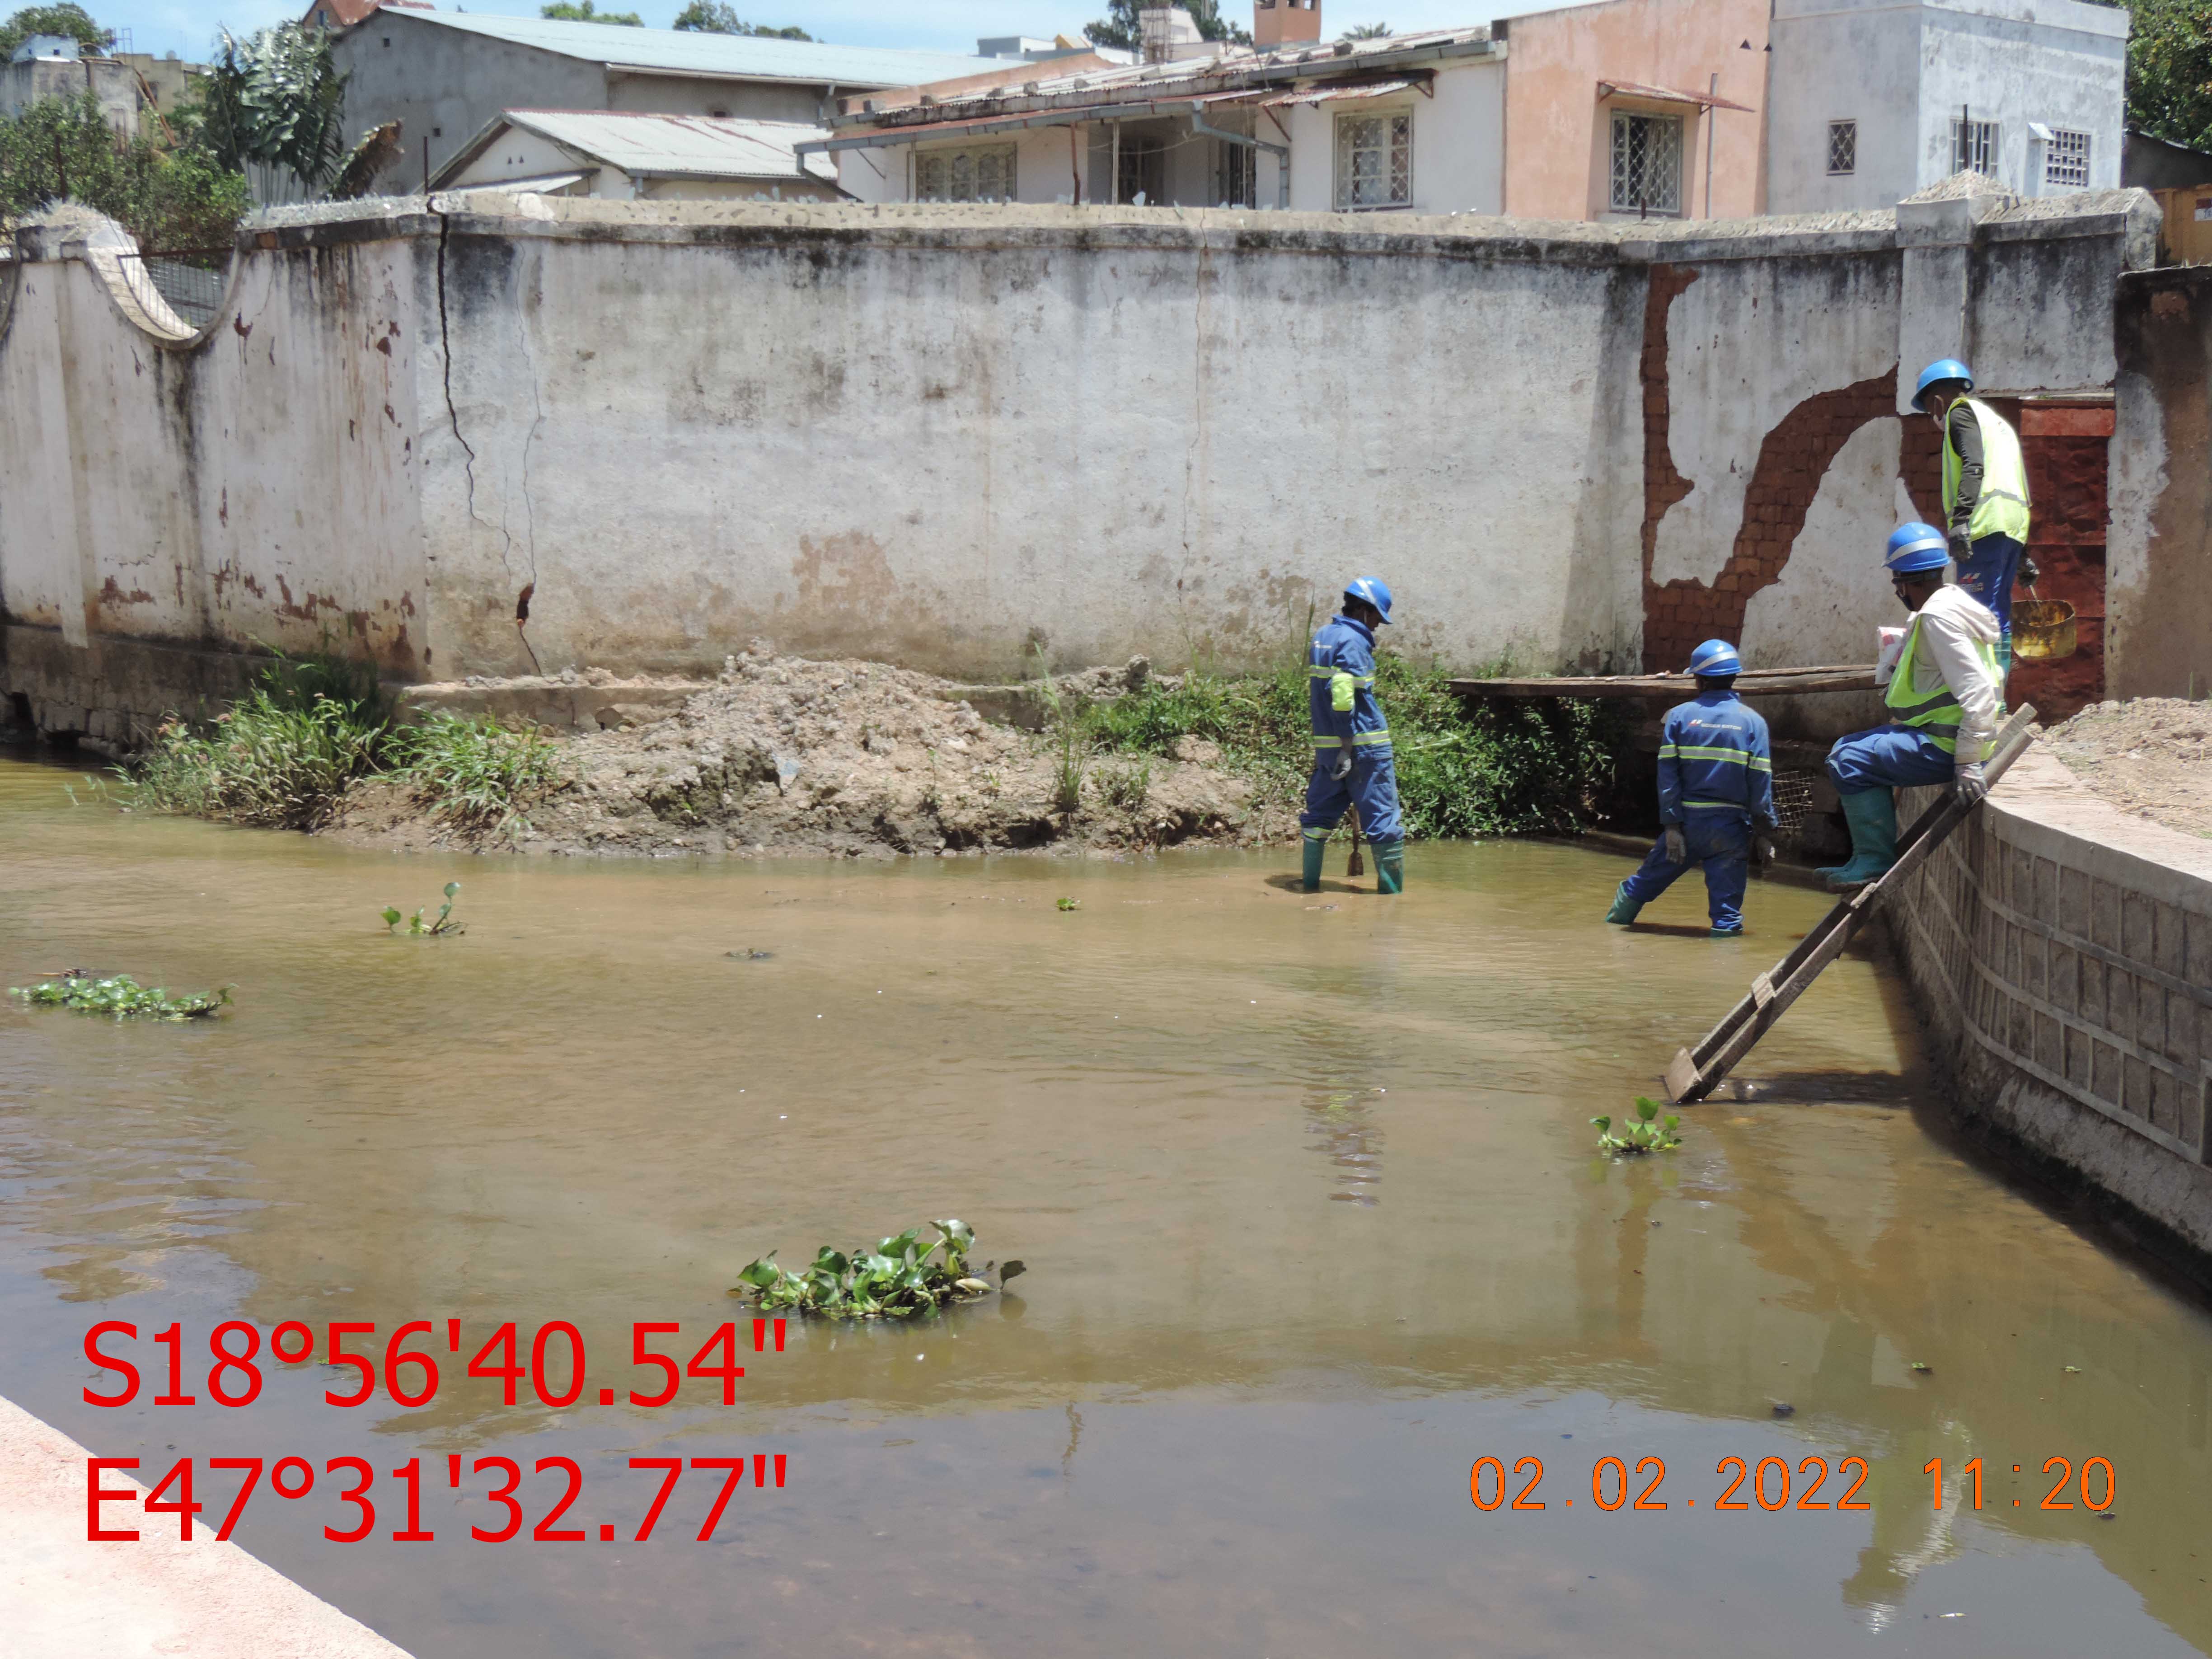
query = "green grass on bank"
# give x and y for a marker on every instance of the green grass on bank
(282, 756)
(1465, 767)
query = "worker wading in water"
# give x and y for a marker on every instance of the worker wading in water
(1352, 765)
(1715, 796)
(1942, 694)
(1985, 494)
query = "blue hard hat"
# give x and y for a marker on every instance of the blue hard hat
(1715, 657)
(1373, 589)
(1944, 368)
(1916, 547)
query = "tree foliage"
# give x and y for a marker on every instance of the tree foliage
(582, 13)
(61, 149)
(275, 99)
(72, 21)
(1119, 27)
(2170, 70)
(1366, 32)
(714, 17)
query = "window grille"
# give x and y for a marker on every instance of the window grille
(982, 174)
(1647, 163)
(1375, 160)
(1843, 147)
(2066, 159)
(1235, 174)
(1974, 148)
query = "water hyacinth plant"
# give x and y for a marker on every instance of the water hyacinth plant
(899, 1277)
(1643, 1136)
(416, 928)
(120, 997)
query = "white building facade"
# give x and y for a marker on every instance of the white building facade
(1869, 101)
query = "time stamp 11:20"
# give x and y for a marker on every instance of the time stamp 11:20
(1771, 1484)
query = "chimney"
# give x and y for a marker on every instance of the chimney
(1284, 23)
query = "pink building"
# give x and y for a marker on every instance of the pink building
(1637, 105)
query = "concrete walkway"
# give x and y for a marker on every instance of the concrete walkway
(62, 1596)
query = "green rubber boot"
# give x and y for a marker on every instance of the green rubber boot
(1389, 865)
(1309, 877)
(1872, 814)
(1625, 909)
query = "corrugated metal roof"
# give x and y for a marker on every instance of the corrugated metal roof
(685, 146)
(1329, 92)
(1198, 75)
(687, 51)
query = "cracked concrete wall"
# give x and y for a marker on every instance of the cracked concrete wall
(940, 446)
(500, 434)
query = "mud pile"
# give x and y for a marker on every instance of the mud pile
(2152, 756)
(784, 755)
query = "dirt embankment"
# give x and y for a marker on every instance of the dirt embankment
(2151, 757)
(789, 757)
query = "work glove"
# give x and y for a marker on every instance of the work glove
(1961, 547)
(1762, 849)
(1968, 780)
(1676, 843)
(2030, 572)
(1342, 769)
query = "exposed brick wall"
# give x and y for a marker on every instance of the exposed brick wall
(1793, 459)
(1662, 485)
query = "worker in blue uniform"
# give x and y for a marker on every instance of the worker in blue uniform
(1352, 764)
(1715, 796)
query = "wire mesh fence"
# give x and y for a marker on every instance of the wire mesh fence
(1793, 796)
(190, 281)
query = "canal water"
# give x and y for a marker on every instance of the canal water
(1312, 1219)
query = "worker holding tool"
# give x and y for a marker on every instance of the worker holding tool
(1353, 763)
(1985, 504)
(1943, 694)
(1715, 796)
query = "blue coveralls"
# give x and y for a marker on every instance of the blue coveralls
(1346, 646)
(1716, 781)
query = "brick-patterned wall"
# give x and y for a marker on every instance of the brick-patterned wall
(2068, 981)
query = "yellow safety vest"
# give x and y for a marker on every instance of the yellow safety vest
(1937, 713)
(2002, 507)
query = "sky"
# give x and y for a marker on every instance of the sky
(188, 28)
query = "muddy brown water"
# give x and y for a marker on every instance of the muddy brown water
(1311, 1216)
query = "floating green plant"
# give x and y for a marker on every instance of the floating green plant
(1071, 904)
(417, 927)
(120, 997)
(899, 1277)
(1645, 1135)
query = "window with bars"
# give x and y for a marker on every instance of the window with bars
(1375, 160)
(2066, 159)
(1843, 147)
(983, 172)
(1974, 148)
(1235, 174)
(1647, 163)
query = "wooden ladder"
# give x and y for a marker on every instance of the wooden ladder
(1696, 1072)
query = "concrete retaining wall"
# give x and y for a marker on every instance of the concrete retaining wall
(2062, 955)
(507, 435)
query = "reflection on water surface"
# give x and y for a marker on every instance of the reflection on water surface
(1312, 1222)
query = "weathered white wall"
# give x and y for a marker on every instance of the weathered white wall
(946, 435)
(1903, 71)
(255, 487)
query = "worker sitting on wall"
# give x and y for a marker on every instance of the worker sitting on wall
(1943, 696)
(1352, 764)
(1986, 506)
(1715, 796)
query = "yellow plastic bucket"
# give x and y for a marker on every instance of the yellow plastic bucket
(2042, 629)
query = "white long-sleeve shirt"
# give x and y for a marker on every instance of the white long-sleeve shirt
(1952, 624)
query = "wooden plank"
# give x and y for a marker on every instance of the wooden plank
(1695, 1072)
(1755, 683)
